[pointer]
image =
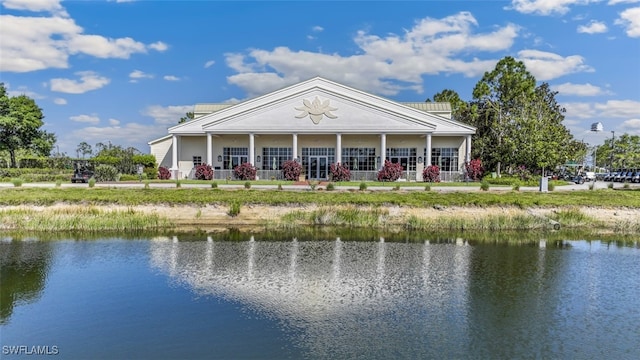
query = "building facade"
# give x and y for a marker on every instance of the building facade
(317, 122)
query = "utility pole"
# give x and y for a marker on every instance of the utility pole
(613, 148)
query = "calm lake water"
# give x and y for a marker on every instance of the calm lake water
(175, 298)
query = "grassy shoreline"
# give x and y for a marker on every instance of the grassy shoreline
(202, 196)
(126, 209)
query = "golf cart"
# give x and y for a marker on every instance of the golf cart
(81, 172)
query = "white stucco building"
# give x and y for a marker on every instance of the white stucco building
(317, 122)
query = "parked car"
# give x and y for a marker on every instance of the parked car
(578, 179)
(590, 176)
(609, 176)
(619, 176)
(629, 176)
(636, 177)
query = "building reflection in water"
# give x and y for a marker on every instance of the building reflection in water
(332, 293)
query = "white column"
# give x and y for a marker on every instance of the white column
(339, 148)
(174, 156)
(252, 158)
(209, 150)
(467, 156)
(427, 160)
(383, 149)
(295, 146)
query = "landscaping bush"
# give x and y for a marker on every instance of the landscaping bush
(330, 187)
(204, 172)
(390, 171)
(164, 173)
(339, 172)
(474, 169)
(92, 182)
(106, 173)
(363, 186)
(17, 182)
(523, 173)
(245, 171)
(247, 185)
(431, 174)
(484, 186)
(291, 170)
(36, 175)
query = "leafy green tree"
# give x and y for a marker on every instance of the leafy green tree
(115, 155)
(518, 123)
(459, 107)
(188, 116)
(84, 148)
(20, 123)
(499, 94)
(620, 152)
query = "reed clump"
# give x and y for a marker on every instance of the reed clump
(349, 216)
(78, 218)
(485, 223)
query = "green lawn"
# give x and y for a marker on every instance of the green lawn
(201, 196)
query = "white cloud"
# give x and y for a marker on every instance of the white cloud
(60, 101)
(23, 90)
(631, 126)
(580, 110)
(615, 2)
(630, 19)
(317, 28)
(159, 46)
(91, 119)
(167, 115)
(89, 80)
(37, 43)
(546, 66)
(130, 134)
(619, 109)
(50, 6)
(546, 7)
(114, 122)
(171, 78)
(579, 89)
(208, 64)
(594, 27)
(398, 61)
(137, 74)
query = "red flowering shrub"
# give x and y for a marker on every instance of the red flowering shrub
(390, 171)
(245, 171)
(474, 169)
(339, 172)
(164, 173)
(431, 174)
(291, 170)
(204, 172)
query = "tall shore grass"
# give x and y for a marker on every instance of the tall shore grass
(80, 218)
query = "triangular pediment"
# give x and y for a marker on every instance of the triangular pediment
(320, 106)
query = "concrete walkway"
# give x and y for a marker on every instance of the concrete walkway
(302, 187)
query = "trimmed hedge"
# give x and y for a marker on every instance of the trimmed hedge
(36, 175)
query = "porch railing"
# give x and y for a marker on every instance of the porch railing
(445, 176)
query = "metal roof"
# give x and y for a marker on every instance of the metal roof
(204, 109)
(430, 106)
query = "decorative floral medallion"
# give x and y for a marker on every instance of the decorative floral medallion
(315, 110)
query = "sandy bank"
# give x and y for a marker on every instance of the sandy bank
(217, 215)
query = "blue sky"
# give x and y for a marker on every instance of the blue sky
(124, 71)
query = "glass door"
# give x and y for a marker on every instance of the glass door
(318, 167)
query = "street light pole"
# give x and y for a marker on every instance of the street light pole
(613, 140)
